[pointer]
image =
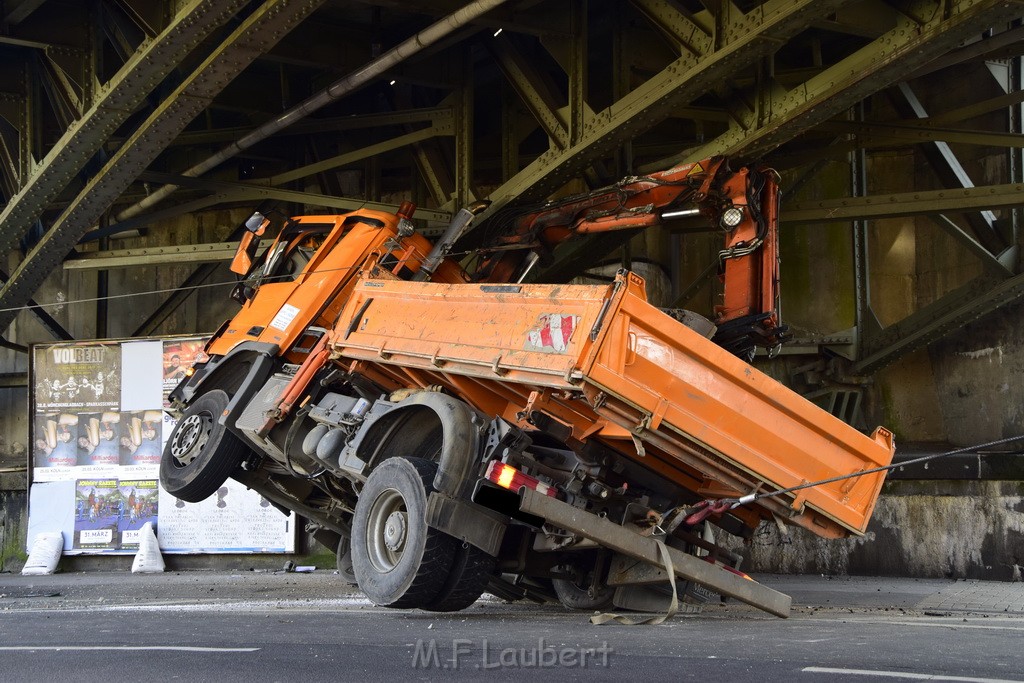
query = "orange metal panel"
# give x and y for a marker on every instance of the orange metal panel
(699, 413)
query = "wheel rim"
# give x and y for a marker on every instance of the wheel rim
(387, 530)
(190, 437)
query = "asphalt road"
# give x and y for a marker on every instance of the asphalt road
(286, 627)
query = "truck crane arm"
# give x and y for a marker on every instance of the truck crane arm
(743, 204)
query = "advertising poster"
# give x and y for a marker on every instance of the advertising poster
(56, 440)
(138, 503)
(179, 356)
(141, 437)
(234, 519)
(96, 508)
(77, 378)
(97, 439)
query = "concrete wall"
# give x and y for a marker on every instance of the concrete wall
(13, 521)
(922, 529)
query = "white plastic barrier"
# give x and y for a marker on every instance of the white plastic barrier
(45, 554)
(148, 559)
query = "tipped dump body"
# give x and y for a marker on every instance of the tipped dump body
(611, 367)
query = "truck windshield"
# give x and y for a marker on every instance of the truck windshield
(293, 251)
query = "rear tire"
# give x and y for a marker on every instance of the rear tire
(201, 453)
(398, 560)
(466, 582)
(585, 593)
(579, 597)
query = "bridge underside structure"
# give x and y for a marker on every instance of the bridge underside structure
(896, 124)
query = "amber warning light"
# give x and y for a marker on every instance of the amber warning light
(508, 477)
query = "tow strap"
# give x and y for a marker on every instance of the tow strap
(673, 605)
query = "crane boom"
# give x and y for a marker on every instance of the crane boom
(743, 204)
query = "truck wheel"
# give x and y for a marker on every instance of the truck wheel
(575, 596)
(398, 560)
(200, 454)
(466, 582)
(344, 554)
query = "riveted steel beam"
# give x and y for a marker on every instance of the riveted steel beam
(14, 137)
(359, 154)
(118, 99)
(464, 141)
(988, 47)
(429, 159)
(509, 134)
(871, 134)
(884, 61)
(152, 324)
(18, 12)
(166, 213)
(437, 116)
(742, 41)
(971, 110)
(16, 128)
(863, 19)
(253, 193)
(1003, 265)
(894, 205)
(948, 167)
(533, 89)
(678, 25)
(153, 256)
(423, 40)
(578, 109)
(947, 314)
(64, 102)
(259, 32)
(22, 42)
(542, 19)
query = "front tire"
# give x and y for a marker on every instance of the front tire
(398, 560)
(201, 453)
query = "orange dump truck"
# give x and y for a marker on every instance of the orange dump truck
(454, 430)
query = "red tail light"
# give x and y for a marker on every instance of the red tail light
(508, 477)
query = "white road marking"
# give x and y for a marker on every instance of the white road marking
(172, 648)
(246, 606)
(942, 624)
(905, 674)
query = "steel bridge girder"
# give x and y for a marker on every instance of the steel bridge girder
(912, 43)
(743, 42)
(114, 103)
(259, 31)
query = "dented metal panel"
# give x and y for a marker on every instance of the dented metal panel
(616, 369)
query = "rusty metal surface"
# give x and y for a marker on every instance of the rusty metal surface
(119, 98)
(259, 32)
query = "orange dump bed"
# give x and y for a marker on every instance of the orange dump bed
(614, 368)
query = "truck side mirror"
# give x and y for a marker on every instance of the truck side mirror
(255, 226)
